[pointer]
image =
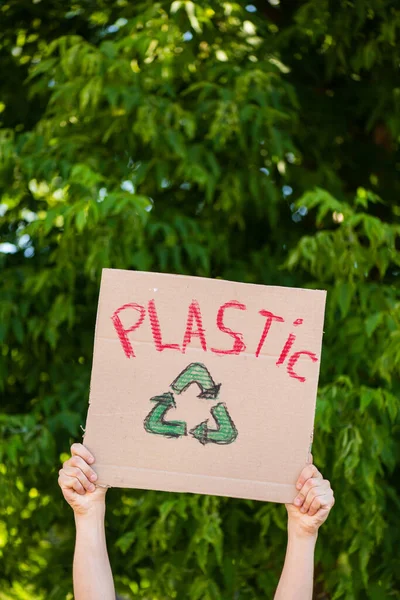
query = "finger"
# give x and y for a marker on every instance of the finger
(77, 461)
(78, 487)
(70, 483)
(310, 484)
(83, 452)
(80, 476)
(324, 502)
(313, 493)
(314, 506)
(308, 472)
(318, 491)
(310, 458)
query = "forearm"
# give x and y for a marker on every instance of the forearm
(296, 582)
(91, 570)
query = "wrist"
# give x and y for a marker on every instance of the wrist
(90, 531)
(94, 514)
(296, 533)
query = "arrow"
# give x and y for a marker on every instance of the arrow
(196, 373)
(226, 432)
(155, 423)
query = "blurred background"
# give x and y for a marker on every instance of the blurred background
(254, 142)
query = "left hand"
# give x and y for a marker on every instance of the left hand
(312, 504)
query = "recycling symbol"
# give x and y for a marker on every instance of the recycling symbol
(155, 422)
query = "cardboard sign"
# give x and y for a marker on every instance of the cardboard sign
(202, 385)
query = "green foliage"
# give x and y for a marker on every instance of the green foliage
(205, 139)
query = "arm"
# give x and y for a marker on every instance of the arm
(296, 582)
(91, 569)
(310, 509)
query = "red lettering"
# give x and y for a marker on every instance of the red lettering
(194, 314)
(122, 332)
(289, 343)
(156, 330)
(286, 349)
(293, 360)
(239, 345)
(270, 317)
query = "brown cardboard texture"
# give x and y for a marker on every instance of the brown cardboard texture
(202, 385)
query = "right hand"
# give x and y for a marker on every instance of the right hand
(77, 482)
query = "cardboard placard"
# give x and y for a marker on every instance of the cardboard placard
(202, 385)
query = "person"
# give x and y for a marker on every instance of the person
(92, 574)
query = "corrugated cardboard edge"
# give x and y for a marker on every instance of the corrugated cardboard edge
(186, 482)
(94, 348)
(309, 453)
(197, 278)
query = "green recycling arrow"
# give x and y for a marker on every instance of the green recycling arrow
(155, 423)
(226, 432)
(197, 373)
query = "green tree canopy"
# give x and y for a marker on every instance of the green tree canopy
(257, 143)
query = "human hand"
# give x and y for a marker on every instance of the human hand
(312, 504)
(77, 482)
